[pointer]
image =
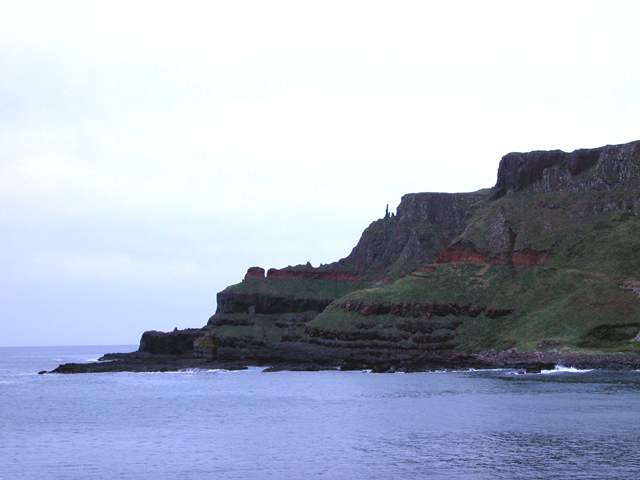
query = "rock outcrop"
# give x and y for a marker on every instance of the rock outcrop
(597, 169)
(170, 343)
(425, 224)
(255, 272)
(525, 275)
(257, 303)
(310, 273)
(525, 258)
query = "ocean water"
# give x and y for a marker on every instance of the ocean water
(565, 424)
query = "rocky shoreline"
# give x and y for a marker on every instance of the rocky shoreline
(300, 356)
(548, 258)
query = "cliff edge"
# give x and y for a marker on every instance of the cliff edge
(544, 267)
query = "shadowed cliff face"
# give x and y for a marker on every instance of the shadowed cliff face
(310, 273)
(425, 225)
(252, 303)
(542, 259)
(598, 169)
(527, 258)
(171, 343)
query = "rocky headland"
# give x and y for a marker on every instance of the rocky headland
(542, 269)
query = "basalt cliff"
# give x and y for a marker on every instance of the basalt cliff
(543, 268)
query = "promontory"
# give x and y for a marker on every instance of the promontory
(543, 268)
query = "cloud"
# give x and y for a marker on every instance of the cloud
(150, 145)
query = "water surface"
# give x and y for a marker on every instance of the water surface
(334, 425)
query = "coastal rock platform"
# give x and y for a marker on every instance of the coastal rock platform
(298, 356)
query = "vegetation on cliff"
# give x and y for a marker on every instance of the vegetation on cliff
(547, 259)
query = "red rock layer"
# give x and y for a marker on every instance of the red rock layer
(530, 258)
(457, 255)
(255, 272)
(311, 274)
(521, 258)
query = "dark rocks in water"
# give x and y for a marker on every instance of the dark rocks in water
(300, 356)
(538, 367)
(139, 362)
(177, 342)
(280, 356)
(306, 367)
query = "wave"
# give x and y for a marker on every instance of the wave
(562, 369)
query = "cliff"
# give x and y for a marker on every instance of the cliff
(543, 267)
(541, 261)
(425, 224)
(598, 169)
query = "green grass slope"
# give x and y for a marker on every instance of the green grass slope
(317, 289)
(585, 298)
(252, 328)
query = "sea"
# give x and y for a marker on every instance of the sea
(217, 424)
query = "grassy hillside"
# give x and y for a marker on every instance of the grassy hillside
(295, 287)
(583, 298)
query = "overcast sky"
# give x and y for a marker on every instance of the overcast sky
(150, 152)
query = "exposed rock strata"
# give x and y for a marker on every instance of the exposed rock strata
(310, 357)
(251, 303)
(429, 229)
(420, 309)
(598, 169)
(522, 258)
(170, 343)
(255, 272)
(311, 273)
(425, 225)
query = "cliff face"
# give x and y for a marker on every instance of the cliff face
(425, 224)
(242, 302)
(598, 169)
(541, 262)
(548, 258)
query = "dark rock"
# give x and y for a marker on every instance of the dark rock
(429, 228)
(420, 309)
(291, 337)
(307, 272)
(242, 302)
(519, 170)
(382, 368)
(613, 166)
(215, 321)
(425, 225)
(538, 367)
(170, 343)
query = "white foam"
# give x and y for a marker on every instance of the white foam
(199, 370)
(561, 369)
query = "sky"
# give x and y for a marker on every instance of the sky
(151, 152)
